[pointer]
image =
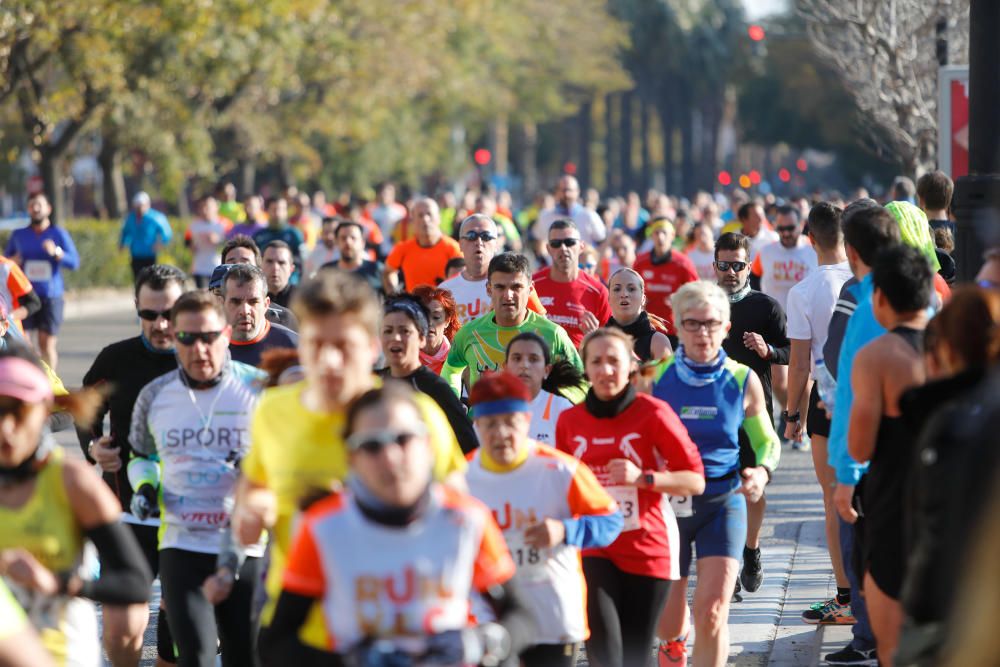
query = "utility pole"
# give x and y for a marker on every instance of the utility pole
(977, 196)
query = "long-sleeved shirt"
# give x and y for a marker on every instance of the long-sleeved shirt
(141, 236)
(41, 268)
(758, 313)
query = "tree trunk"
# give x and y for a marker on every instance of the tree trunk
(665, 108)
(586, 137)
(501, 145)
(113, 204)
(529, 158)
(625, 143)
(248, 176)
(610, 185)
(646, 179)
(50, 169)
(688, 166)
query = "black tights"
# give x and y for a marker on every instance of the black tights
(550, 655)
(196, 624)
(623, 610)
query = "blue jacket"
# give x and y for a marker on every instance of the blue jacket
(141, 237)
(42, 269)
(862, 328)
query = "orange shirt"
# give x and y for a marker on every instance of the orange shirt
(422, 266)
(13, 285)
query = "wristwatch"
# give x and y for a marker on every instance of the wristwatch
(791, 418)
(648, 479)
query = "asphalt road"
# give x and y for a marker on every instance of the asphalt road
(764, 628)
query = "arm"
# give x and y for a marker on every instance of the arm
(660, 346)
(128, 230)
(866, 410)
(798, 373)
(455, 364)
(456, 413)
(70, 258)
(166, 233)
(29, 304)
(19, 644)
(776, 336)
(279, 642)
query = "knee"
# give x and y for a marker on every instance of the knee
(710, 615)
(124, 626)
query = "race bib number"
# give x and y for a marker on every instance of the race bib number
(38, 270)
(627, 498)
(529, 560)
(681, 505)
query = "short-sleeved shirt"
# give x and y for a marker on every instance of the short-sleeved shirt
(588, 223)
(420, 265)
(472, 300)
(13, 285)
(273, 336)
(782, 268)
(811, 304)
(566, 302)
(663, 277)
(205, 251)
(545, 411)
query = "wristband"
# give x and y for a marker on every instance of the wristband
(791, 418)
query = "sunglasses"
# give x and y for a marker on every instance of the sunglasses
(569, 243)
(696, 325)
(189, 338)
(372, 442)
(735, 266)
(588, 266)
(153, 315)
(787, 229)
(485, 237)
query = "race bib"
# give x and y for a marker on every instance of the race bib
(38, 270)
(627, 498)
(681, 505)
(529, 560)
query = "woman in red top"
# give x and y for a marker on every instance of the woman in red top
(640, 451)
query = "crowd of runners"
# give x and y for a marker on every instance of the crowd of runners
(447, 432)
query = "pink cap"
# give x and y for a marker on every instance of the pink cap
(21, 379)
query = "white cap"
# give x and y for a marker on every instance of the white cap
(140, 199)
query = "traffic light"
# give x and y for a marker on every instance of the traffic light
(482, 156)
(725, 179)
(756, 33)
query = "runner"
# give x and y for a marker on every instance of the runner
(19, 643)
(588, 223)
(296, 449)
(245, 303)
(664, 271)
(278, 267)
(353, 257)
(255, 219)
(17, 295)
(640, 451)
(145, 233)
(786, 262)
(715, 397)
(241, 249)
(42, 250)
(278, 229)
(326, 251)
(49, 505)
(702, 251)
(481, 344)
(628, 307)
(752, 223)
(528, 357)
(274, 313)
(421, 259)
(403, 335)
(443, 320)
(549, 506)
(188, 436)
(124, 368)
(206, 233)
(394, 524)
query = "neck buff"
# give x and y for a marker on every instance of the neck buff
(31, 466)
(379, 512)
(694, 374)
(614, 407)
(738, 296)
(154, 350)
(436, 361)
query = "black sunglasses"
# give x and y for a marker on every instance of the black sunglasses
(569, 243)
(152, 315)
(735, 266)
(485, 237)
(188, 338)
(372, 442)
(786, 229)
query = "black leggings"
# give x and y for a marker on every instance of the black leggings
(550, 655)
(147, 538)
(623, 610)
(195, 623)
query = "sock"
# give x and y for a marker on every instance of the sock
(843, 595)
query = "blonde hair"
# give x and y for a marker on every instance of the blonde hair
(605, 332)
(700, 293)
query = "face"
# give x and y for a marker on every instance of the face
(350, 243)
(328, 235)
(401, 341)
(338, 354)
(588, 262)
(754, 220)
(20, 434)
(608, 365)
(438, 324)
(141, 208)
(703, 342)
(731, 280)
(426, 225)
(526, 360)
(209, 209)
(509, 294)
(789, 229)
(486, 206)
(503, 436)
(663, 238)
(568, 191)
(245, 306)
(626, 297)
(624, 249)
(278, 268)
(240, 256)
(39, 208)
(157, 331)
(278, 211)
(202, 360)
(565, 257)
(479, 252)
(703, 237)
(254, 207)
(397, 474)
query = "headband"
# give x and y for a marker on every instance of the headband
(662, 222)
(23, 380)
(412, 309)
(499, 407)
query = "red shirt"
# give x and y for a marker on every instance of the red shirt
(650, 434)
(565, 303)
(662, 280)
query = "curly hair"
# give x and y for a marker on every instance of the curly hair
(428, 294)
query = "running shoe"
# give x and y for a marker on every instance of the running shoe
(830, 612)
(672, 654)
(852, 656)
(736, 593)
(801, 445)
(752, 575)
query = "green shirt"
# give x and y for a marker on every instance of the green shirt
(480, 345)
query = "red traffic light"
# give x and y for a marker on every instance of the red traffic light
(801, 164)
(756, 33)
(725, 178)
(569, 168)
(784, 175)
(482, 156)
(755, 177)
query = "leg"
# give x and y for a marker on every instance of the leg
(645, 597)
(825, 477)
(604, 648)
(886, 615)
(237, 631)
(192, 618)
(675, 619)
(124, 626)
(47, 348)
(864, 639)
(755, 520)
(550, 655)
(716, 578)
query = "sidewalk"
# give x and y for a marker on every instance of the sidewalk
(93, 302)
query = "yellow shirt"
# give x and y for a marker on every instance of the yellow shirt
(294, 450)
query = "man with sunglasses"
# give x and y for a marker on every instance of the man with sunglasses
(785, 263)
(573, 299)
(125, 367)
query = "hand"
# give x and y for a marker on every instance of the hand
(793, 430)
(623, 471)
(218, 586)
(754, 481)
(546, 534)
(143, 502)
(755, 342)
(589, 322)
(257, 512)
(843, 495)
(49, 246)
(108, 457)
(822, 406)
(21, 567)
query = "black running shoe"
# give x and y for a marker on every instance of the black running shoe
(736, 593)
(852, 656)
(752, 575)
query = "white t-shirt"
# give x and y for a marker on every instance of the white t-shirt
(205, 251)
(782, 268)
(765, 237)
(545, 411)
(471, 299)
(319, 256)
(703, 261)
(811, 304)
(592, 229)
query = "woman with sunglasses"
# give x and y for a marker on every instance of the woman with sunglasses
(49, 507)
(715, 398)
(394, 558)
(548, 505)
(628, 313)
(640, 452)
(403, 334)
(443, 325)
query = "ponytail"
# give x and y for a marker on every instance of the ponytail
(563, 375)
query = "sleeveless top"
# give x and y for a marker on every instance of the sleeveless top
(642, 333)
